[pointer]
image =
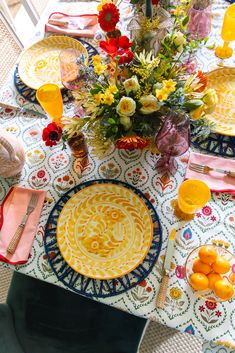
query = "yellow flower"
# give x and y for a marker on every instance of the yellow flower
(175, 293)
(197, 113)
(98, 98)
(177, 11)
(96, 59)
(126, 106)
(210, 99)
(161, 95)
(113, 89)
(100, 69)
(108, 98)
(169, 85)
(99, 7)
(149, 104)
(131, 85)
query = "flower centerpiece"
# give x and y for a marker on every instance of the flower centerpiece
(128, 90)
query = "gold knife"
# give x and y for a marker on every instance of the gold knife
(161, 297)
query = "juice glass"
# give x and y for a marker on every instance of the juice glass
(227, 33)
(192, 195)
(50, 98)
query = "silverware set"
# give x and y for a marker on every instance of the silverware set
(205, 169)
(16, 237)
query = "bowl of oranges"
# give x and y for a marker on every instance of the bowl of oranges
(210, 271)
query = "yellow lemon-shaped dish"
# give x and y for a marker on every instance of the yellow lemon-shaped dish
(104, 231)
(223, 81)
(39, 64)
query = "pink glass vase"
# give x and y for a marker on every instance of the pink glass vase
(199, 24)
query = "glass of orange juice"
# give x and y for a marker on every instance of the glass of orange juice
(227, 33)
(50, 98)
(192, 195)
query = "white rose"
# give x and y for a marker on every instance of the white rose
(179, 40)
(149, 104)
(126, 106)
(131, 85)
(126, 122)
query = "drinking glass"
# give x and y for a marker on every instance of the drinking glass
(199, 24)
(172, 140)
(71, 63)
(227, 33)
(192, 196)
(50, 98)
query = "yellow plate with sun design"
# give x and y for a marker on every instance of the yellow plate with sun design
(223, 81)
(39, 64)
(104, 231)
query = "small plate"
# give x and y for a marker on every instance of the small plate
(223, 81)
(39, 64)
(209, 294)
(104, 231)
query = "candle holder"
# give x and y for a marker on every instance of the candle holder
(227, 34)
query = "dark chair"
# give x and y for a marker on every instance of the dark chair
(42, 318)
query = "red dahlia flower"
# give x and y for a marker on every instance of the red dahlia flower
(118, 46)
(51, 134)
(131, 142)
(108, 17)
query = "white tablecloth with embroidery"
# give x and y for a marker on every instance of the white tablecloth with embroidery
(56, 171)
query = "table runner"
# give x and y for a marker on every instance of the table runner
(56, 171)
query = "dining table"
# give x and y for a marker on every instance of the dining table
(55, 170)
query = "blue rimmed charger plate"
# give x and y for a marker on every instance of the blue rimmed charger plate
(88, 286)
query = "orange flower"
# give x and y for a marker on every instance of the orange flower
(203, 80)
(108, 17)
(131, 143)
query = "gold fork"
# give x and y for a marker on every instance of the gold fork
(16, 237)
(205, 169)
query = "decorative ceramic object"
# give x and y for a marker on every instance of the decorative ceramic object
(39, 64)
(12, 155)
(104, 231)
(223, 81)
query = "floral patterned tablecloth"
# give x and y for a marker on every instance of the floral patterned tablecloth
(56, 171)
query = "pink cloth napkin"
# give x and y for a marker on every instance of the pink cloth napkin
(12, 211)
(72, 25)
(216, 181)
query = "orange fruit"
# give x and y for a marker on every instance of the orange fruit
(199, 281)
(221, 265)
(199, 266)
(224, 289)
(232, 278)
(207, 254)
(212, 278)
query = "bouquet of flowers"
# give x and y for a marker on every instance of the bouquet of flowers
(129, 90)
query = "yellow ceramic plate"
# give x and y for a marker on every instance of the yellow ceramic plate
(39, 64)
(104, 231)
(223, 81)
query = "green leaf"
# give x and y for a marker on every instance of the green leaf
(96, 90)
(193, 104)
(211, 46)
(115, 129)
(185, 21)
(111, 121)
(134, 2)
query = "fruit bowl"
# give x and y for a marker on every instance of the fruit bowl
(216, 287)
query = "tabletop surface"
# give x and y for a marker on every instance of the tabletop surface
(54, 170)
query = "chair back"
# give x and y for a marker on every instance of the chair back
(10, 48)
